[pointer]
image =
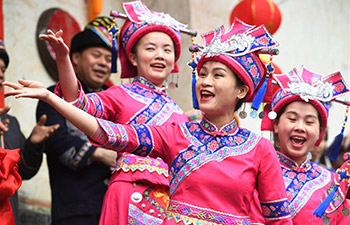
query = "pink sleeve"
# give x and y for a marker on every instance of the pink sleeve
(99, 136)
(101, 104)
(141, 139)
(256, 216)
(271, 191)
(58, 89)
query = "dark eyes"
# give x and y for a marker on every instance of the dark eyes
(96, 55)
(310, 122)
(109, 59)
(218, 75)
(202, 74)
(168, 50)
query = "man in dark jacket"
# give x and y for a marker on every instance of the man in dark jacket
(79, 172)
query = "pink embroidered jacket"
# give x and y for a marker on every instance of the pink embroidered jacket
(213, 173)
(306, 186)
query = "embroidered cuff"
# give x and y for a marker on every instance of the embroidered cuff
(278, 209)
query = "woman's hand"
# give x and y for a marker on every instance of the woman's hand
(57, 43)
(27, 89)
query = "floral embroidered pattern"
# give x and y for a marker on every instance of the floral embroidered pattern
(301, 183)
(116, 133)
(190, 214)
(129, 162)
(130, 30)
(229, 141)
(145, 140)
(138, 217)
(82, 101)
(251, 65)
(273, 210)
(159, 106)
(98, 104)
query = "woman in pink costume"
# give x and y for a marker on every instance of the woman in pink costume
(150, 45)
(214, 165)
(302, 103)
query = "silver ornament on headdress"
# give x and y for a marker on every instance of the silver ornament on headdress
(321, 91)
(237, 45)
(161, 19)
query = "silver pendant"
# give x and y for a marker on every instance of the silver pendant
(345, 212)
(242, 115)
(326, 220)
(172, 85)
(272, 115)
(262, 114)
(253, 114)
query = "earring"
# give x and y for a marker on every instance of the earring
(243, 114)
(309, 156)
(177, 81)
(262, 114)
(172, 84)
(272, 114)
(166, 83)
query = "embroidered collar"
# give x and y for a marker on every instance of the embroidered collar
(144, 82)
(229, 128)
(291, 164)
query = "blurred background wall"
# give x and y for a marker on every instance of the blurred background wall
(313, 33)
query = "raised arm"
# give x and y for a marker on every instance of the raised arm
(68, 80)
(33, 89)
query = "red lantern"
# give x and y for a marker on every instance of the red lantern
(258, 12)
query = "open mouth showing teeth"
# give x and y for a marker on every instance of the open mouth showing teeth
(297, 140)
(206, 95)
(161, 66)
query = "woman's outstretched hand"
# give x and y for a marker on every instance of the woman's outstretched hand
(27, 89)
(57, 42)
(34, 89)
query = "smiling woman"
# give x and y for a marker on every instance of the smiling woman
(302, 101)
(149, 49)
(218, 91)
(154, 57)
(298, 129)
(207, 159)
